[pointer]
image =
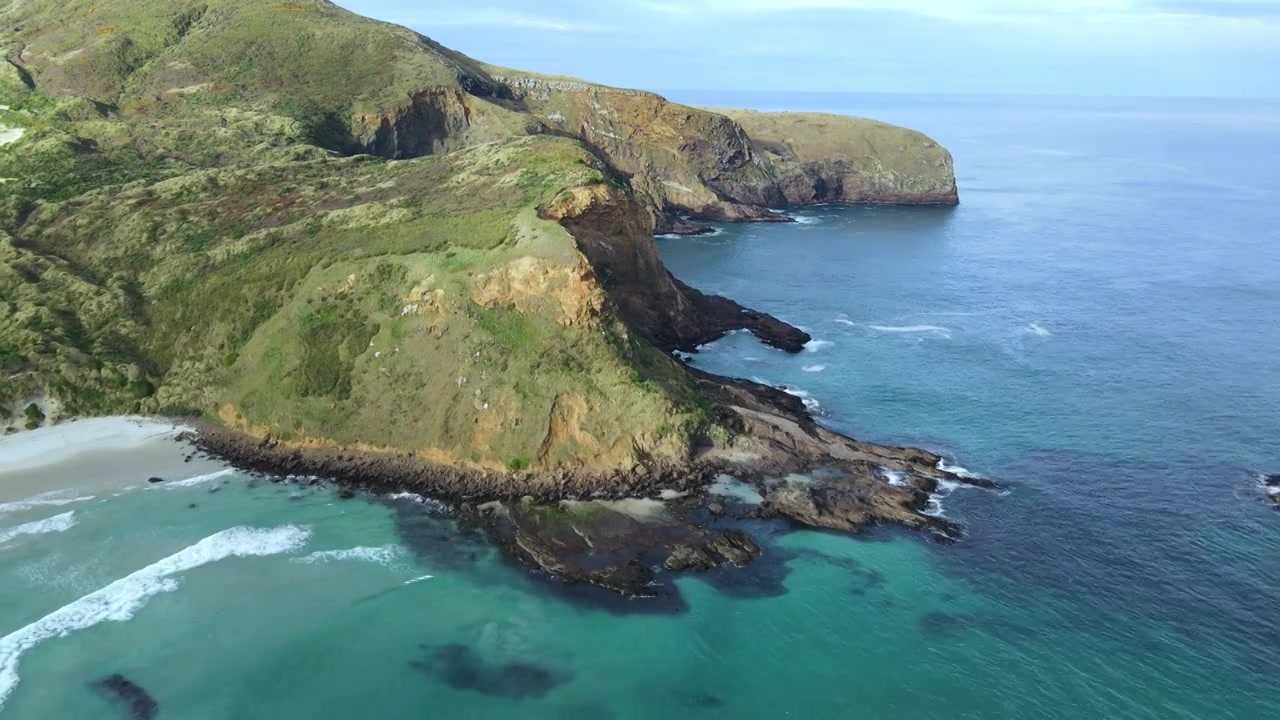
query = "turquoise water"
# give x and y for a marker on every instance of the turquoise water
(1094, 326)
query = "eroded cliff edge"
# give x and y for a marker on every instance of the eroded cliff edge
(405, 269)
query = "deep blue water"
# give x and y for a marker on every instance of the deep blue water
(1096, 326)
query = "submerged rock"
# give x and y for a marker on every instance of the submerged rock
(461, 668)
(134, 702)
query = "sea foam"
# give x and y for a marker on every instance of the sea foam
(56, 498)
(894, 477)
(202, 479)
(912, 329)
(814, 346)
(957, 471)
(57, 523)
(118, 601)
(809, 403)
(814, 368)
(383, 555)
(1038, 330)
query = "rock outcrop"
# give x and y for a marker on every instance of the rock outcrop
(616, 236)
(694, 164)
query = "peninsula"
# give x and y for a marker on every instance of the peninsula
(357, 254)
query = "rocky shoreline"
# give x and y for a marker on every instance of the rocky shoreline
(625, 531)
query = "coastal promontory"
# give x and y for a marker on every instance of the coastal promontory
(354, 252)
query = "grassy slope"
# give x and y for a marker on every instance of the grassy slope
(418, 305)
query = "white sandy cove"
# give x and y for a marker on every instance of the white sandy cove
(50, 445)
(93, 455)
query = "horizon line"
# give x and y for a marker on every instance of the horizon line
(920, 93)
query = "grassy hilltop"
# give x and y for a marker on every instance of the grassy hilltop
(303, 223)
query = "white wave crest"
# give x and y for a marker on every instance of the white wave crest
(814, 368)
(57, 523)
(118, 601)
(431, 504)
(382, 555)
(1038, 330)
(807, 220)
(809, 403)
(957, 471)
(418, 580)
(934, 507)
(411, 497)
(912, 329)
(894, 477)
(814, 346)
(57, 498)
(844, 320)
(202, 479)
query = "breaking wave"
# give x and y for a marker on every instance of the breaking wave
(809, 403)
(50, 499)
(381, 555)
(118, 601)
(912, 329)
(202, 479)
(57, 523)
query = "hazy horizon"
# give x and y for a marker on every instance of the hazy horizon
(1081, 48)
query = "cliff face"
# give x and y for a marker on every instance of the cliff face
(835, 158)
(616, 237)
(734, 165)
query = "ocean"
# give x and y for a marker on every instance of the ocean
(1094, 327)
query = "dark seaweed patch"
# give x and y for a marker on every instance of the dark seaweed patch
(699, 700)
(459, 667)
(438, 542)
(944, 623)
(133, 701)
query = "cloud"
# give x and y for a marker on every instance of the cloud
(979, 10)
(495, 17)
(949, 9)
(1241, 9)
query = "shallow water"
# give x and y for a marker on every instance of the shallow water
(1094, 326)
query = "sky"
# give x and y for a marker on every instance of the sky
(1051, 47)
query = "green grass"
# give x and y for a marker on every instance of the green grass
(331, 336)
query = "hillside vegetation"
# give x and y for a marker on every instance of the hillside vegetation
(306, 224)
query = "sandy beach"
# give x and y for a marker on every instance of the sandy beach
(85, 457)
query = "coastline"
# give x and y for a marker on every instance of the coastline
(622, 531)
(625, 532)
(93, 455)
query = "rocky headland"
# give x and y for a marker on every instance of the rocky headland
(357, 254)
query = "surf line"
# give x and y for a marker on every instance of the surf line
(118, 601)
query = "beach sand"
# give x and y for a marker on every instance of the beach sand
(85, 457)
